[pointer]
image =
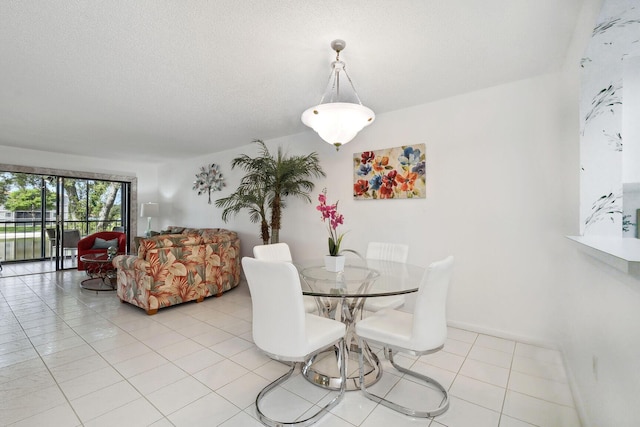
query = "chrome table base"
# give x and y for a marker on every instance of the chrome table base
(316, 371)
(321, 374)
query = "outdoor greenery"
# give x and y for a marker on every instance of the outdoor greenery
(269, 180)
(85, 199)
(102, 197)
(29, 199)
(12, 182)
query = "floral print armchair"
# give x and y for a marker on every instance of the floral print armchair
(175, 268)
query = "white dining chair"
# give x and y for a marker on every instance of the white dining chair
(285, 332)
(281, 252)
(273, 252)
(422, 332)
(396, 252)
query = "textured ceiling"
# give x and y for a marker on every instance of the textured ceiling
(162, 79)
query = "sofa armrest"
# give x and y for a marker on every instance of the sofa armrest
(131, 262)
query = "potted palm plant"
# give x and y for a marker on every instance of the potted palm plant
(269, 180)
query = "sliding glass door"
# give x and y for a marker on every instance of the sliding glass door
(42, 217)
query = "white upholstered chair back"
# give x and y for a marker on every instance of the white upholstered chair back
(429, 317)
(281, 252)
(397, 252)
(273, 252)
(278, 309)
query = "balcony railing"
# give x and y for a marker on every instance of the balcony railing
(23, 240)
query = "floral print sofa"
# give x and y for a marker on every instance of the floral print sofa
(170, 269)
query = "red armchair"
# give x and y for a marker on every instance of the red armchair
(89, 245)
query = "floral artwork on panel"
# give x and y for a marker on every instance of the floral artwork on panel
(392, 173)
(604, 204)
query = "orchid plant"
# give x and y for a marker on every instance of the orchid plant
(330, 212)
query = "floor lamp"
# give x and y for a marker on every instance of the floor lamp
(149, 210)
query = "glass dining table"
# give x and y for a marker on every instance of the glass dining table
(341, 296)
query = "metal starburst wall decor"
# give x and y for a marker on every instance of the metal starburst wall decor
(208, 179)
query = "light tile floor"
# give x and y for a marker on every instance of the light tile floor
(70, 357)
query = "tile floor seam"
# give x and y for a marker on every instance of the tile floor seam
(541, 399)
(461, 374)
(481, 381)
(539, 377)
(541, 361)
(462, 364)
(537, 398)
(504, 398)
(143, 395)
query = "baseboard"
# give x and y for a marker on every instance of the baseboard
(525, 339)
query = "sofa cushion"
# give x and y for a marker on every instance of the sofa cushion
(218, 235)
(190, 231)
(99, 243)
(167, 241)
(172, 230)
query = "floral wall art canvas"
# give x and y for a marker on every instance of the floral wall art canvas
(391, 173)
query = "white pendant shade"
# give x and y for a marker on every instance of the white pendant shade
(339, 122)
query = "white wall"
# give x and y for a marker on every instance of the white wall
(601, 343)
(493, 201)
(147, 174)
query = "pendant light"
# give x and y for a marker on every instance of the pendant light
(338, 122)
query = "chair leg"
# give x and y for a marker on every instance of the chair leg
(316, 416)
(399, 408)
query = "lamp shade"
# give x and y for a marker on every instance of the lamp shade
(338, 122)
(149, 210)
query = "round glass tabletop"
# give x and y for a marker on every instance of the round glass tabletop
(360, 278)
